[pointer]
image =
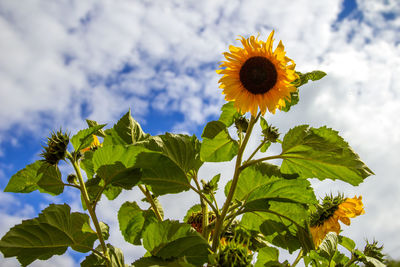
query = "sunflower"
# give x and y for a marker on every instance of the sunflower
(328, 219)
(257, 77)
(95, 144)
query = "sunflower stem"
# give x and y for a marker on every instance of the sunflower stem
(92, 214)
(256, 150)
(150, 199)
(221, 218)
(297, 260)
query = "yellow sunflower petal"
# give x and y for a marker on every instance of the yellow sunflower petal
(255, 77)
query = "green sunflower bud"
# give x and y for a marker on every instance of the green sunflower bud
(71, 178)
(56, 148)
(372, 250)
(271, 134)
(241, 124)
(196, 220)
(326, 209)
(233, 254)
(209, 187)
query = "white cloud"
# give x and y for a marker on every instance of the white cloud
(61, 58)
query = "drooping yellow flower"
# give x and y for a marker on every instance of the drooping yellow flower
(257, 77)
(348, 208)
(95, 144)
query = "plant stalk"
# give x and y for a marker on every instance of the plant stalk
(92, 214)
(297, 260)
(150, 199)
(220, 219)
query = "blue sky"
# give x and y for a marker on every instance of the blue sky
(65, 61)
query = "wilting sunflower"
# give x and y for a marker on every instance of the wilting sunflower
(257, 77)
(327, 217)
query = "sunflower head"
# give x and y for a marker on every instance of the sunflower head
(94, 145)
(56, 148)
(196, 220)
(326, 218)
(256, 77)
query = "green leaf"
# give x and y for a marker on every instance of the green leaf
(50, 234)
(267, 256)
(133, 221)
(92, 123)
(129, 130)
(171, 239)
(116, 258)
(279, 232)
(105, 230)
(229, 114)
(50, 179)
(217, 144)
(321, 153)
(184, 150)
(347, 243)
(25, 181)
(157, 170)
(155, 262)
(112, 192)
(84, 138)
(265, 181)
(87, 163)
(305, 77)
(328, 246)
(36, 176)
(316, 259)
(161, 173)
(293, 100)
(373, 262)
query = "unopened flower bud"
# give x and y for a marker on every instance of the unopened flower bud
(56, 148)
(241, 124)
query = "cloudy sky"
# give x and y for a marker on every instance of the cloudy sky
(64, 61)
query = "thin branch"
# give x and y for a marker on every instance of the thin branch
(254, 161)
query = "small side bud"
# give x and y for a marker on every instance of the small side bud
(71, 179)
(209, 187)
(241, 124)
(271, 134)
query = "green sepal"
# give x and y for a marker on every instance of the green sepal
(217, 144)
(171, 240)
(84, 138)
(115, 254)
(321, 153)
(133, 221)
(290, 102)
(51, 233)
(229, 114)
(305, 77)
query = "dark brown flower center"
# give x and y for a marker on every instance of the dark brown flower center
(258, 75)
